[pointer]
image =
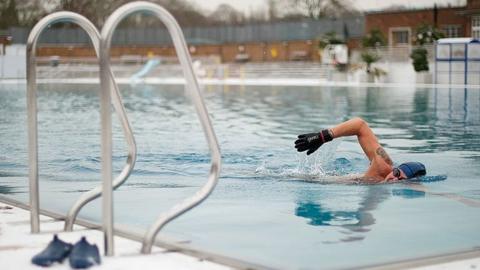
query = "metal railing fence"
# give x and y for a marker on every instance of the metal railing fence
(260, 32)
(106, 100)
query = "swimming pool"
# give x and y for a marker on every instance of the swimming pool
(272, 206)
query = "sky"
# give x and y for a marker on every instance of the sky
(247, 5)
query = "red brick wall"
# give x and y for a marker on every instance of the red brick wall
(258, 52)
(471, 4)
(449, 17)
(384, 21)
(205, 50)
(229, 51)
(277, 51)
(354, 43)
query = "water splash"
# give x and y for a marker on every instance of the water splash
(327, 165)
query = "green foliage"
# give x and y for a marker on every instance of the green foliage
(427, 34)
(369, 58)
(374, 39)
(419, 57)
(378, 72)
(329, 38)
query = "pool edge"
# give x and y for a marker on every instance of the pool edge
(242, 82)
(135, 235)
(426, 261)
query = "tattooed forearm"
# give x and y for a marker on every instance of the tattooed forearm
(381, 152)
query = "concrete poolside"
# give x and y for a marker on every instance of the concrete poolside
(18, 246)
(225, 83)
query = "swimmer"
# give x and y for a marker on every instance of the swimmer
(381, 165)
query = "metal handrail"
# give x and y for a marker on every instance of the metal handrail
(94, 35)
(192, 85)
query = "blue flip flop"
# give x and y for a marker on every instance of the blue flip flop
(56, 251)
(84, 255)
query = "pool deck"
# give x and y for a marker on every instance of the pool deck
(242, 82)
(18, 246)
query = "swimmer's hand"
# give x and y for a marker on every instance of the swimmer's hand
(312, 141)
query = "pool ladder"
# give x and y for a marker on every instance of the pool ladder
(102, 43)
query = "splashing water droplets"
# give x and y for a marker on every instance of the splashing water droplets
(314, 167)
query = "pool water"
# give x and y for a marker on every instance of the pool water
(272, 206)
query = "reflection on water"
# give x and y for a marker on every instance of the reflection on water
(408, 193)
(358, 221)
(6, 189)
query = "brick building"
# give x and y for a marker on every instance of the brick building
(399, 26)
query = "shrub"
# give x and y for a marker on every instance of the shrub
(369, 58)
(329, 38)
(419, 57)
(427, 34)
(374, 39)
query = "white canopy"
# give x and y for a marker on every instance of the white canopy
(456, 40)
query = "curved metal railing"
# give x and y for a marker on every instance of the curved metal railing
(94, 35)
(192, 85)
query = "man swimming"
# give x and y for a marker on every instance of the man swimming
(381, 165)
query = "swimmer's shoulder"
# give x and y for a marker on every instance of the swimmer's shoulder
(379, 168)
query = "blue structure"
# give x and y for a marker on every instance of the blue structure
(457, 61)
(149, 66)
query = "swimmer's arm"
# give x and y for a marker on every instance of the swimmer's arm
(367, 139)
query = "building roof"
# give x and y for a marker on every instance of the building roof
(400, 10)
(457, 40)
(469, 12)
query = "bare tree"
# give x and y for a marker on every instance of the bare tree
(186, 12)
(23, 12)
(228, 15)
(258, 15)
(8, 14)
(317, 9)
(272, 10)
(95, 10)
(28, 12)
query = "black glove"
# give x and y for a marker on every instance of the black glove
(312, 141)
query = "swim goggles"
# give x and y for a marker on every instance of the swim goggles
(397, 172)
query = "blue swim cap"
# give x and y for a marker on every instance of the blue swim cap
(413, 169)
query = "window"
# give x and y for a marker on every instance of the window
(400, 36)
(452, 31)
(476, 27)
